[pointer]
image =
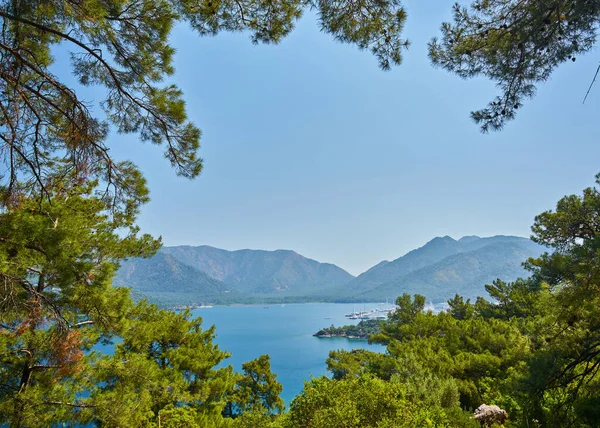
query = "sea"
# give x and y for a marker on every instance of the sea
(285, 333)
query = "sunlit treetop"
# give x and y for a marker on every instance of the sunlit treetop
(123, 46)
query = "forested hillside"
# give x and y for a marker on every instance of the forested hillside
(261, 272)
(465, 272)
(166, 280)
(438, 270)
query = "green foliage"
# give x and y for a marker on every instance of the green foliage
(374, 25)
(534, 350)
(256, 391)
(459, 309)
(517, 44)
(473, 351)
(516, 299)
(123, 47)
(57, 258)
(164, 358)
(177, 417)
(362, 330)
(345, 364)
(365, 401)
(566, 365)
(407, 309)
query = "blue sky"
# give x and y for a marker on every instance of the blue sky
(309, 146)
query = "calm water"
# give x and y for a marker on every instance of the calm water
(285, 333)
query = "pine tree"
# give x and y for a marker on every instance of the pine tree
(57, 259)
(123, 47)
(517, 44)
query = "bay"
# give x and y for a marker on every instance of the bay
(285, 332)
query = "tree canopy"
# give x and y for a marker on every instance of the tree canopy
(57, 260)
(123, 47)
(517, 44)
(58, 308)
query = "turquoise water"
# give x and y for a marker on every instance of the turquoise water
(285, 333)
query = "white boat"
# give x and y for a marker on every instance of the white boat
(353, 314)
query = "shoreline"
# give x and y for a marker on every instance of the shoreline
(332, 336)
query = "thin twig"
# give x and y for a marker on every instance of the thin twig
(591, 84)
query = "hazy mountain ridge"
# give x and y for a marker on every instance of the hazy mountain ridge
(260, 271)
(431, 253)
(435, 250)
(465, 273)
(439, 269)
(166, 277)
(185, 274)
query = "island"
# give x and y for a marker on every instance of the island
(362, 330)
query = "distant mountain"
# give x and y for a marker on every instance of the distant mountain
(444, 267)
(438, 270)
(469, 239)
(262, 272)
(163, 278)
(432, 252)
(185, 274)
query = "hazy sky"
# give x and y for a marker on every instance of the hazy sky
(309, 146)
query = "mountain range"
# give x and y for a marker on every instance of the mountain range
(439, 269)
(444, 267)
